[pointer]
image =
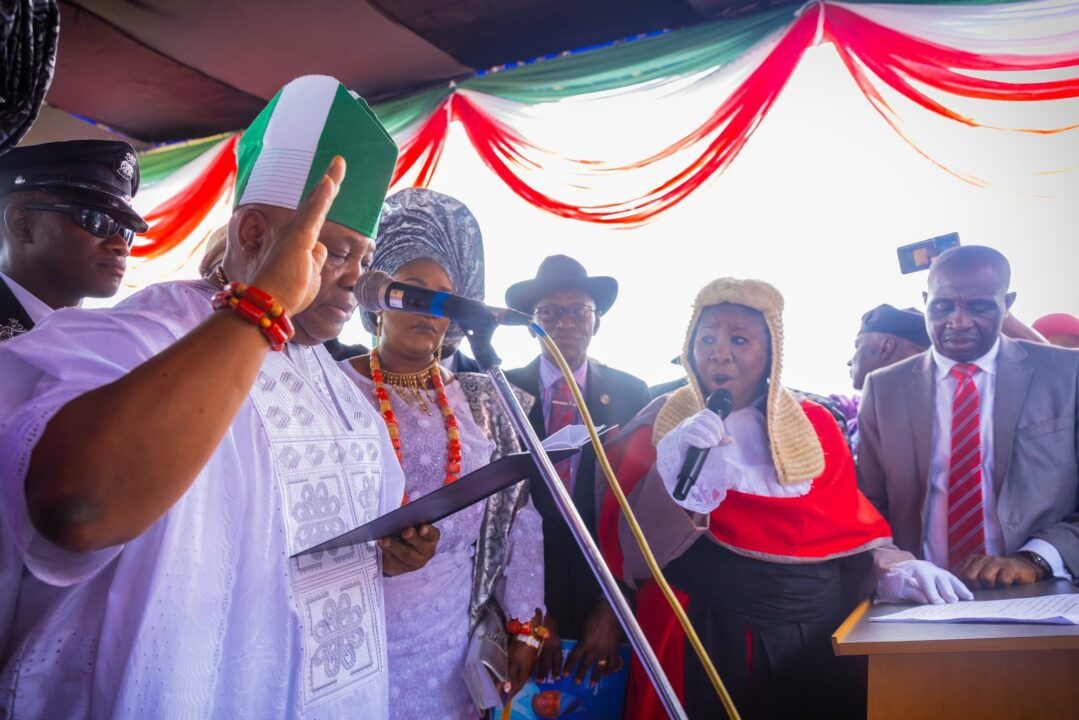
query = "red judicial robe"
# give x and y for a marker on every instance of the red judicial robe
(833, 520)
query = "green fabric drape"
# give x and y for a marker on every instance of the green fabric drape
(680, 52)
(676, 53)
(159, 163)
(398, 114)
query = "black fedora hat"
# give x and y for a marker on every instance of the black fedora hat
(559, 273)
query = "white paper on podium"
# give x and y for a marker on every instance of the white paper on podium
(1047, 609)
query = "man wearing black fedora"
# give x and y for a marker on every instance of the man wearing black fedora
(66, 226)
(568, 304)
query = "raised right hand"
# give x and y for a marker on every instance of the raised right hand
(291, 270)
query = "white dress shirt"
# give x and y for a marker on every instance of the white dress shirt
(549, 375)
(34, 307)
(935, 544)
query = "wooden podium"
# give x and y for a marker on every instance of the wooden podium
(926, 671)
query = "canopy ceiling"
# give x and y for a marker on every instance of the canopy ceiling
(158, 70)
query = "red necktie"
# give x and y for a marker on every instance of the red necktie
(563, 413)
(966, 515)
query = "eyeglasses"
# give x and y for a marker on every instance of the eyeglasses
(578, 312)
(96, 222)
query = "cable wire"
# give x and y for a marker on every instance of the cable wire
(638, 535)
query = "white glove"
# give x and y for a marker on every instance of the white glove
(921, 582)
(703, 430)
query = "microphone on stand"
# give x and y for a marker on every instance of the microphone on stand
(720, 402)
(376, 291)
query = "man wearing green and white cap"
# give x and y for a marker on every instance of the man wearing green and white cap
(164, 465)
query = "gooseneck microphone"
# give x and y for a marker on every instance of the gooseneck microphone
(376, 291)
(720, 402)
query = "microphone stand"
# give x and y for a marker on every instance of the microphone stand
(480, 339)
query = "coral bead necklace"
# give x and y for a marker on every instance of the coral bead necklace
(453, 433)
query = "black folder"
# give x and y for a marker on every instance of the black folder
(447, 500)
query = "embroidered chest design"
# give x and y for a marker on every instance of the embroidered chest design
(327, 462)
(11, 328)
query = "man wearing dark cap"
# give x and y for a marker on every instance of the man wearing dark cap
(568, 304)
(67, 226)
(886, 336)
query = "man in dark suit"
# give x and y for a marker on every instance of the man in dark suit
(971, 449)
(568, 304)
(66, 226)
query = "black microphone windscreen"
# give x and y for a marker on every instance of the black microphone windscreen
(370, 290)
(721, 402)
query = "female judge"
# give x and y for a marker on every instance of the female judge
(764, 550)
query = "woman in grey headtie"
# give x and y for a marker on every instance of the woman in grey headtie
(417, 222)
(488, 571)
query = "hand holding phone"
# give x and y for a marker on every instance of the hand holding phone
(919, 256)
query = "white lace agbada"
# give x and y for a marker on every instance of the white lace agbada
(204, 615)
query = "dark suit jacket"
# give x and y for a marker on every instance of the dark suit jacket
(1035, 446)
(465, 364)
(613, 397)
(14, 320)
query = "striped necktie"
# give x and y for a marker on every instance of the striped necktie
(966, 513)
(563, 413)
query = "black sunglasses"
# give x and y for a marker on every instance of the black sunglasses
(96, 222)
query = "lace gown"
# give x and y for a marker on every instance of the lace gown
(427, 621)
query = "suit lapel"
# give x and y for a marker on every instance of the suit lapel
(595, 389)
(921, 401)
(14, 320)
(1013, 378)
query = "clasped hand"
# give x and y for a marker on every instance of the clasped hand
(595, 654)
(984, 572)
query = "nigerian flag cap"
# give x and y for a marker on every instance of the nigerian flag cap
(289, 146)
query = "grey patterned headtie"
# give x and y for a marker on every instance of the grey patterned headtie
(420, 223)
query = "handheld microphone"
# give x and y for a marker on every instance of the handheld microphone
(376, 291)
(720, 402)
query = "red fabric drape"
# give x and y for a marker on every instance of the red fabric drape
(424, 148)
(871, 52)
(723, 135)
(174, 220)
(899, 60)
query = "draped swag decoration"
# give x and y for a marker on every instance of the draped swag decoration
(621, 134)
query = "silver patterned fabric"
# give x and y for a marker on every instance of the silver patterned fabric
(492, 549)
(421, 223)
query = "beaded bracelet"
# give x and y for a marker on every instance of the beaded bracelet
(536, 633)
(530, 640)
(259, 308)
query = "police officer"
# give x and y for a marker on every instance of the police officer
(66, 226)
